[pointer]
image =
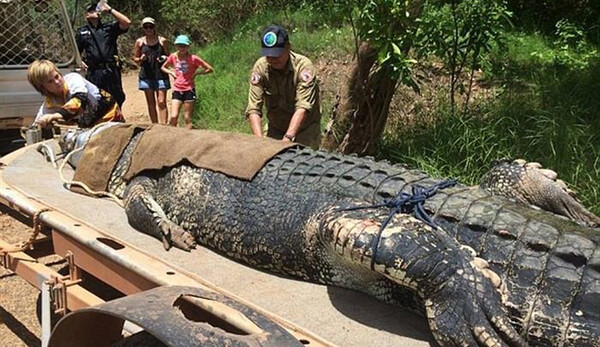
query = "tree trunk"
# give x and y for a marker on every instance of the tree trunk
(363, 106)
(350, 97)
(372, 114)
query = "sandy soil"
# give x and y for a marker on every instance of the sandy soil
(18, 321)
(135, 108)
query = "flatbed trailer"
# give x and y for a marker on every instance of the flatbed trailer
(94, 236)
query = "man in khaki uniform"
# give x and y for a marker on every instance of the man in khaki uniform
(286, 82)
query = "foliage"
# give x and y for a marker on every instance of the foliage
(386, 24)
(209, 19)
(460, 33)
(573, 49)
(333, 13)
(526, 57)
(542, 16)
(553, 121)
(384, 34)
(545, 110)
(463, 146)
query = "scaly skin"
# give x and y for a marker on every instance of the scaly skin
(287, 220)
(549, 264)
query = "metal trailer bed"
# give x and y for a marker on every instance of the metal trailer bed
(95, 235)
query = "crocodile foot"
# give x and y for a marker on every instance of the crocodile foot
(466, 311)
(529, 183)
(461, 294)
(174, 235)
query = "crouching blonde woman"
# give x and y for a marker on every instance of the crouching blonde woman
(70, 98)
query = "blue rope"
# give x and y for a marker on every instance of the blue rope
(406, 203)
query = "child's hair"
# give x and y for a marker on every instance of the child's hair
(38, 73)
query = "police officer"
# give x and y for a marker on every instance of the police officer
(97, 42)
(286, 82)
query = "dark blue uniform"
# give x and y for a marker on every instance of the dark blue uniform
(98, 46)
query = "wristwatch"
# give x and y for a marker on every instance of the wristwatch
(110, 10)
(290, 137)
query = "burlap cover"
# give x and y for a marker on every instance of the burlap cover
(233, 154)
(101, 155)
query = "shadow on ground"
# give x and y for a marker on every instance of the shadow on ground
(20, 330)
(373, 313)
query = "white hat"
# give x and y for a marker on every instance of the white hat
(148, 20)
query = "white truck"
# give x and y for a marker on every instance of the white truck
(29, 30)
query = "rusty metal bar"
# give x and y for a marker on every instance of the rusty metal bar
(36, 274)
(224, 322)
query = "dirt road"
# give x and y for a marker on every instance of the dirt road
(18, 322)
(134, 107)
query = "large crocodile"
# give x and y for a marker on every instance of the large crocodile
(534, 277)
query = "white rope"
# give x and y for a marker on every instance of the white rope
(81, 184)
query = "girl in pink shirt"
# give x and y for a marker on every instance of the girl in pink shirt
(186, 66)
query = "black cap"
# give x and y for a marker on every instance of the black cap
(273, 40)
(91, 7)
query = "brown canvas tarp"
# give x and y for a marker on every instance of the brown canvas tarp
(233, 154)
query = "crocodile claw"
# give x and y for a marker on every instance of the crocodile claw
(467, 311)
(174, 235)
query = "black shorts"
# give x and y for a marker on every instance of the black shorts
(186, 96)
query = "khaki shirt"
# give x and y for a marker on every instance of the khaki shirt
(283, 92)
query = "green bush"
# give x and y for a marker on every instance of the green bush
(554, 123)
(543, 15)
(525, 58)
(207, 19)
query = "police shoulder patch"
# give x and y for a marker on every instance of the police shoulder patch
(306, 75)
(255, 78)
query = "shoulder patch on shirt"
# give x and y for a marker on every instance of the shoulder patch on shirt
(255, 78)
(306, 75)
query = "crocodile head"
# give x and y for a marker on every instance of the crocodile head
(75, 139)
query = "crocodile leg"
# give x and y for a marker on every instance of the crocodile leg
(529, 183)
(146, 215)
(462, 306)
